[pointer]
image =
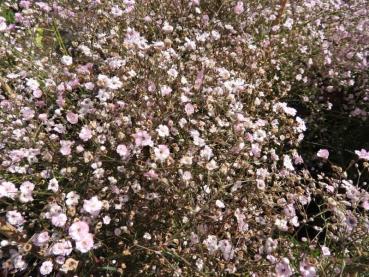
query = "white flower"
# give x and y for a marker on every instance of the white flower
(287, 163)
(161, 152)
(92, 206)
(67, 60)
(14, 218)
(33, 84)
(46, 268)
(219, 204)
(72, 198)
(85, 134)
(3, 25)
(59, 219)
(53, 185)
(122, 150)
(147, 236)
(163, 131)
(211, 243)
(85, 244)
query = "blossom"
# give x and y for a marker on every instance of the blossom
(362, 154)
(85, 244)
(66, 147)
(33, 84)
(78, 230)
(72, 198)
(307, 269)
(325, 251)
(287, 163)
(161, 152)
(283, 268)
(41, 238)
(92, 206)
(53, 185)
(142, 138)
(72, 118)
(59, 219)
(238, 9)
(46, 268)
(211, 243)
(226, 248)
(63, 248)
(219, 204)
(8, 189)
(85, 134)
(67, 60)
(122, 150)
(3, 25)
(14, 218)
(323, 153)
(162, 130)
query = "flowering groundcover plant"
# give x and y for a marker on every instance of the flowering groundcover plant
(166, 138)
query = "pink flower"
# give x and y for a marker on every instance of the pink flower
(59, 220)
(63, 248)
(189, 109)
(283, 268)
(122, 150)
(323, 153)
(85, 244)
(161, 152)
(362, 154)
(8, 189)
(14, 218)
(307, 269)
(326, 251)
(78, 230)
(238, 9)
(92, 206)
(41, 238)
(85, 134)
(142, 138)
(46, 268)
(72, 118)
(66, 147)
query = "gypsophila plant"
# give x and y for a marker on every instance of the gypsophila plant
(168, 138)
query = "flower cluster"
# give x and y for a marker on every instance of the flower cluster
(147, 137)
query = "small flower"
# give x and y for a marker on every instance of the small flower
(78, 230)
(67, 60)
(85, 244)
(147, 236)
(3, 25)
(53, 185)
(46, 268)
(362, 154)
(283, 268)
(14, 218)
(219, 204)
(238, 9)
(323, 153)
(165, 90)
(92, 206)
(161, 152)
(66, 147)
(59, 219)
(189, 109)
(33, 84)
(325, 251)
(122, 150)
(41, 239)
(163, 131)
(72, 118)
(85, 134)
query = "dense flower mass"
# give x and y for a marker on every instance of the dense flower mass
(183, 138)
